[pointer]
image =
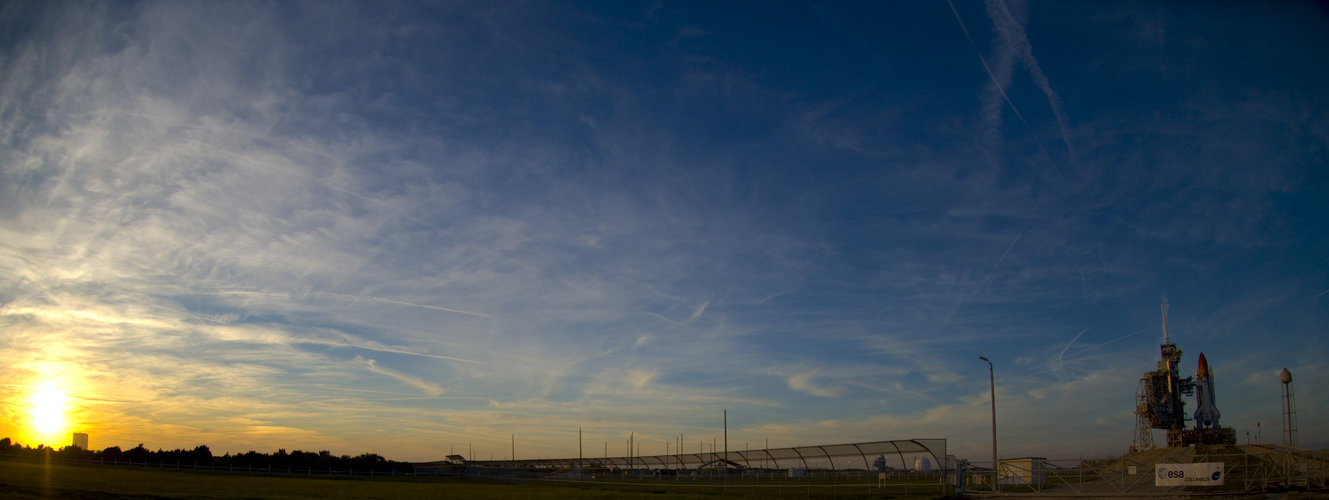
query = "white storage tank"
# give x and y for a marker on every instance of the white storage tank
(922, 464)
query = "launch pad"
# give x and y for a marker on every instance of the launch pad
(1159, 403)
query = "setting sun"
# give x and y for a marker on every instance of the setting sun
(47, 407)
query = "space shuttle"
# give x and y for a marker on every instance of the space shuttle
(1206, 411)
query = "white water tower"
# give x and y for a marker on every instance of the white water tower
(1289, 410)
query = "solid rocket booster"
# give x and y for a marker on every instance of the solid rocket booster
(1206, 412)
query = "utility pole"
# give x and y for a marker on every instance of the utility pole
(992, 386)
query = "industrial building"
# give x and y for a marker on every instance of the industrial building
(80, 440)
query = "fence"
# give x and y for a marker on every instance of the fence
(1248, 469)
(765, 483)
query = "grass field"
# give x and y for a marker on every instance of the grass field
(20, 479)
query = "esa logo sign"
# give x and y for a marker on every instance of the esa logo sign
(1166, 473)
(1201, 474)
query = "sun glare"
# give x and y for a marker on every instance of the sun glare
(47, 407)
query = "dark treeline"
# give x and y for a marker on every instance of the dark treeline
(201, 456)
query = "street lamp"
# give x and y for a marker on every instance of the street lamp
(992, 386)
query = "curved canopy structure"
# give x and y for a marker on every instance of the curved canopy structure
(898, 454)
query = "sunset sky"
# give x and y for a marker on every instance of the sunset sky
(418, 229)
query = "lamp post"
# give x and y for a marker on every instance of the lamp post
(992, 386)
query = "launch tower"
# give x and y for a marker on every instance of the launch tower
(1159, 403)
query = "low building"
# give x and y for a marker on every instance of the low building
(1032, 471)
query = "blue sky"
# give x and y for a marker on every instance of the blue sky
(413, 229)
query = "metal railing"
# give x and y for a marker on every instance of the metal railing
(1249, 469)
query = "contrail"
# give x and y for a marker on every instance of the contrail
(429, 388)
(1126, 336)
(959, 301)
(999, 260)
(1012, 33)
(696, 313)
(364, 297)
(411, 304)
(386, 349)
(996, 84)
(1060, 365)
(992, 110)
(350, 342)
(1007, 54)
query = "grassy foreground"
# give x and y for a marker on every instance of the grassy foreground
(29, 480)
(20, 479)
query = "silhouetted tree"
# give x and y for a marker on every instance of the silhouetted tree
(201, 455)
(138, 454)
(112, 454)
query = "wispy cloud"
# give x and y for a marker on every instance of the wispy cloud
(234, 223)
(806, 382)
